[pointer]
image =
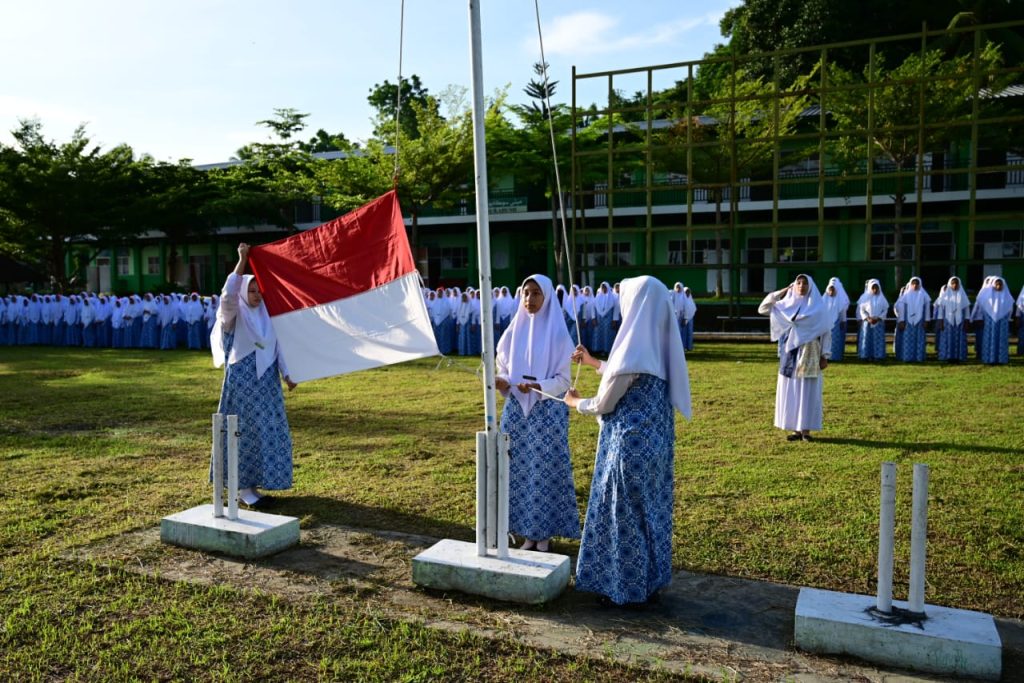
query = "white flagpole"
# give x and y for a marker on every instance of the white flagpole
(483, 235)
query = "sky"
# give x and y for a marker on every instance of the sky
(191, 78)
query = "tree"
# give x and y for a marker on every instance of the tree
(769, 25)
(734, 138)
(434, 166)
(323, 141)
(52, 193)
(526, 151)
(911, 105)
(274, 175)
(383, 98)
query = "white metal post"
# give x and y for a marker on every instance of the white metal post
(886, 529)
(918, 538)
(492, 491)
(503, 499)
(232, 467)
(217, 461)
(484, 251)
(481, 493)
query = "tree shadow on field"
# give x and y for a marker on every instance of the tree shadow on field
(922, 446)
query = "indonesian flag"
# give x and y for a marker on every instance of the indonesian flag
(345, 296)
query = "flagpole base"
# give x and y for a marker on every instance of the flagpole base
(254, 534)
(525, 576)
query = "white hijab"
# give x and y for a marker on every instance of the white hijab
(994, 304)
(840, 303)
(952, 303)
(253, 334)
(1020, 301)
(537, 345)
(914, 303)
(876, 304)
(803, 318)
(648, 341)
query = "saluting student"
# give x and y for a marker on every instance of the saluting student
(243, 341)
(533, 354)
(802, 324)
(626, 551)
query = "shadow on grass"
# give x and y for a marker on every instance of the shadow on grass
(320, 510)
(922, 446)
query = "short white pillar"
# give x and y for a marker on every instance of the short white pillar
(217, 462)
(918, 539)
(886, 531)
(232, 467)
(502, 549)
(481, 494)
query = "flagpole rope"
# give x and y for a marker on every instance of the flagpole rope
(558, 186)
(398, 96)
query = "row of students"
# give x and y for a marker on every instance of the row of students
(951, 312)
(590, 319)
(90, 320)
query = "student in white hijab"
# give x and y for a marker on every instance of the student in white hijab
(872, 307)
(802, 324)
(992, 311)
(838, 303)
(912, 309)
(244, 339)
(626, 551)
(952, 314)
(1020, 322)
(685, 309)
(533, 355)
(165, 319)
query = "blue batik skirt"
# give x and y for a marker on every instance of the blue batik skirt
(626, 551)
(541, 492)
(265, 442)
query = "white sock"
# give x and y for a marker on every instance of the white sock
(248, 496)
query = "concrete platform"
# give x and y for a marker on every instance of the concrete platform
(949, 641)
(527, 576)
(253, 534)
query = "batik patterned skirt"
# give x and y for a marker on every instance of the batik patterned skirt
(541, 492)
(265, 442)
(626, 551)
(871, 341)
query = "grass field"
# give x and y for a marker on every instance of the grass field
(94, 443)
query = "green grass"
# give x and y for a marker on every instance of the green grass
(97, 443)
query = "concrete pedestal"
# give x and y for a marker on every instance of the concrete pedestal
(949, 641)
(253, 534)
(526, 576)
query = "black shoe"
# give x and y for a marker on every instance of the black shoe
(794, 437)
(807, 437)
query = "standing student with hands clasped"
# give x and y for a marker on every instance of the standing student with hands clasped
(244, 339)
(533, 354)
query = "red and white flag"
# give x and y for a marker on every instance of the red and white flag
(345, 296)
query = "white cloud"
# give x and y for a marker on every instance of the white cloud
(590, 33)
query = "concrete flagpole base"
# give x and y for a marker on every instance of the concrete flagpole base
(254, 534)
(525, 576)
(948, 641)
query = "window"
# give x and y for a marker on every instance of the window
(676, 252)
(124, 264)
(453, 258)
(883, 244)
(1012, 242)
(936, 245)
(798, 249)
(153, 265)
(702, 249)
(596, 254)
